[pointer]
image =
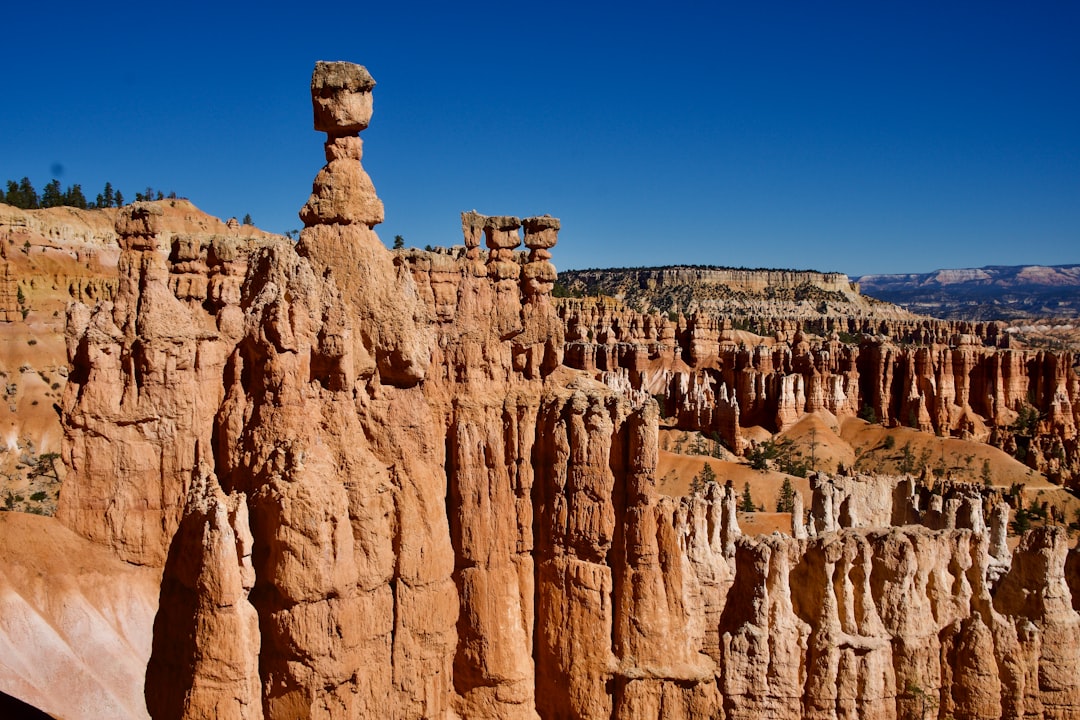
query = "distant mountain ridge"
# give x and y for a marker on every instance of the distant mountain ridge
(994, 292)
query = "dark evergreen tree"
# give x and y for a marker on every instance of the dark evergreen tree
(247, 219)
(74, 197)
(786, 501)
(52, 195)
(28, 195)
(107, 195)
(399, 242)
(700, 482)
(1021, 521)
(907, 462)
(746, 504)
(119, 199)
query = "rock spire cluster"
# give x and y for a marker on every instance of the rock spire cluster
(372, 488)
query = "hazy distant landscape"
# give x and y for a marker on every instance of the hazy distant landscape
(989, 293)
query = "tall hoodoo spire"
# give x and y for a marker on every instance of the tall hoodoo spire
(342, 103)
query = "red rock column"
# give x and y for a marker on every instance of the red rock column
(493, 667)
(342, 103)
(472, 227)
(339, 241)
(206, 635)
(655, 640)
(9, 292)
(144, 393)
(501, 233)
(539, 349)
(575, 527)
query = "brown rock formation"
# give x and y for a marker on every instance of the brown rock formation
(957, 385)
(9, 291)
(62, 254)
(372, 489)
(206, 635)
(147, 385)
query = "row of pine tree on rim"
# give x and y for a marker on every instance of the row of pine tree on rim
(22, 194)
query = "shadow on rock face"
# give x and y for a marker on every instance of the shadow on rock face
(15, 709)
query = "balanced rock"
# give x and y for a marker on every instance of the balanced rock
(341, 97)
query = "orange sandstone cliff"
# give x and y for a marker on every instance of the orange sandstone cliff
(372, 488)
(945, 377)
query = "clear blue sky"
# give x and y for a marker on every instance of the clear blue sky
(862, 137)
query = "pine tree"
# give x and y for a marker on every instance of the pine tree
(907, 463)
(52, 195)
(107, 195)
(247, 219)
(747, 502)
(399, 242)
(701, 481)
(74, 197)
(786, 501)
(119, 199)
(28, 197)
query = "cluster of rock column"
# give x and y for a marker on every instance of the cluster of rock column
(373, 489)
(957, 386)
(143, 393)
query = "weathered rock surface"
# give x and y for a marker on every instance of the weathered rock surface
(147, 384)
(75, 622)
(372, 488)
(947, 381)
(54, 256)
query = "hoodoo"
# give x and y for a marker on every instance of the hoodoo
(372, 488)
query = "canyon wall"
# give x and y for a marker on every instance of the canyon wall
(943, 377)
(372, 487)
(49, 258)
(761, 295)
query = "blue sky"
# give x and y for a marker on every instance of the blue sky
(859, 137)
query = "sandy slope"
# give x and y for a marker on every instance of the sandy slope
(75, 622)
(857, 445)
